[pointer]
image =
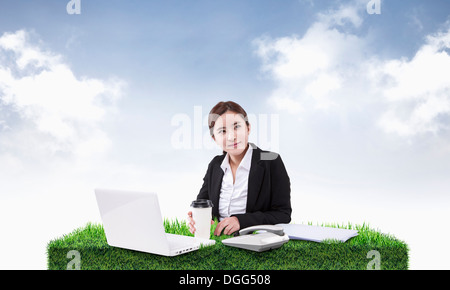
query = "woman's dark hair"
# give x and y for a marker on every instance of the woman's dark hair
(220, 109)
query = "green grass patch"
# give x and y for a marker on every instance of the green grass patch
(94, 253)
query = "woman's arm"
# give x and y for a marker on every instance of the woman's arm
(204, 190)
(280, 196)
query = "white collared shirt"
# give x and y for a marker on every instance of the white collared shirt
(233, 197)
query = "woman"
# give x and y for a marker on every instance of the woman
(247, 186)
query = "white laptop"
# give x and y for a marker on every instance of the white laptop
(132, 220)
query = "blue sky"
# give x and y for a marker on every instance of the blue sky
(198, 44)
(357, 105)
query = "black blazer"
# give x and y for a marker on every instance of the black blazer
(269, 189)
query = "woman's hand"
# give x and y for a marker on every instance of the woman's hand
(191, 223)
(229, 225)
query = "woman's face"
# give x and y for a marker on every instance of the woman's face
(231, 133)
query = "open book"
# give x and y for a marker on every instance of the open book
(316, 233)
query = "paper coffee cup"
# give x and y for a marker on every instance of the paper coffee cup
(202, 215)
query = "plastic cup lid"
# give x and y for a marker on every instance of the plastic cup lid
(201, 203)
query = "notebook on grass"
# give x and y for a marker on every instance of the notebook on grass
(317, 233)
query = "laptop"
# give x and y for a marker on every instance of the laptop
(132, 220)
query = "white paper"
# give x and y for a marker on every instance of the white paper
(317, 233)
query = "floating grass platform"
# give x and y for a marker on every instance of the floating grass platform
(86, 248)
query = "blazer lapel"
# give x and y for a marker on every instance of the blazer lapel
(216, 184)
(255, 179)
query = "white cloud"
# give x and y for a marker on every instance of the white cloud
(312, 71)
(330, 69)
(25, 53)
(44, 103)
(420, 90)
